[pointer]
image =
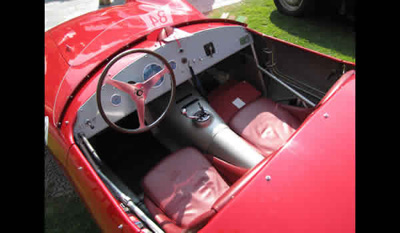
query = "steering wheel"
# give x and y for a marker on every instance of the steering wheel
(137, 91)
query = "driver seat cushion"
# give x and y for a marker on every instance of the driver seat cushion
(181, 190)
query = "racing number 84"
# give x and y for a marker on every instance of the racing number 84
(157, 18)
(160, 19)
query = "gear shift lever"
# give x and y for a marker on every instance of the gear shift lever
(201, 117)
(184, 112)
(201, 108)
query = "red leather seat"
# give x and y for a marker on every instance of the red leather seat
(181, 190)
(263, 123)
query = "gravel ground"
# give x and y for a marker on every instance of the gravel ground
(56, 183)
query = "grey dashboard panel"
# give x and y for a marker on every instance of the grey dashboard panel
(190, 50)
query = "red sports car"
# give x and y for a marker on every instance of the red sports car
(167, 121)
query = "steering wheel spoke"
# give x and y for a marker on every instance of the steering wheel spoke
(138, 91)
(125, 87)
(140, 109)
(149, 83)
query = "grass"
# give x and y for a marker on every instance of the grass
(325, 34)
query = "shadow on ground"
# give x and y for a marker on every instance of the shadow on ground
(331, 32)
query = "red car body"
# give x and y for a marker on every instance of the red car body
(308, 185)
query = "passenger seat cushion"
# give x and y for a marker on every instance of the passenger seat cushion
(184, 186)
(222, 99)
(264, 124)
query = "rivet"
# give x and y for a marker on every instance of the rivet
(120, 226)
(66, 122)
(268, 178)
(326, 115)
(80, 168)
(68, 48)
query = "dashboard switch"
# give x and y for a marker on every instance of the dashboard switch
(209, 49)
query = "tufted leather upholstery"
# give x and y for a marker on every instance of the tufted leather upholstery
(181, 190)
(264, 124)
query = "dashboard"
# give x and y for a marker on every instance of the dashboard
(200, 51)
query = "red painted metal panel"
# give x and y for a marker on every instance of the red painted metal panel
(312, 179)
(54, 69)
(84, 37)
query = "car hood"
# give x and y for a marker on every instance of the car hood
(86, 41)
(85, 37)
